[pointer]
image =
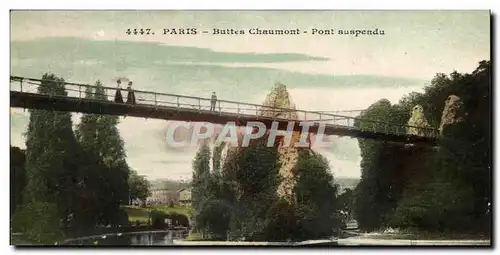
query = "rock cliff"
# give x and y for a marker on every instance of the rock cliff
(280, 98)
(453, 113)
(418, 121)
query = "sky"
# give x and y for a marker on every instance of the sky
(321, 72)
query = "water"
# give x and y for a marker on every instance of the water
(136, 238)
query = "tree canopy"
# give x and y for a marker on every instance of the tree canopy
(139, 187)
(72, 181)
(431, 188)
(241, 200)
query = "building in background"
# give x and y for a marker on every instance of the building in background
(184, 196)
(162, 197)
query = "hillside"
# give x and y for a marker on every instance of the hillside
(345, 183)
(169, 184)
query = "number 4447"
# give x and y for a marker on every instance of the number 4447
(141, 31)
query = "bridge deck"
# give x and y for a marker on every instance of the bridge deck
(83, 105)
(188, 108)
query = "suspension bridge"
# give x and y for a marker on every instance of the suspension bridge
(25, 93)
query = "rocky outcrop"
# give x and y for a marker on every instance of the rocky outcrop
(277, 98)
(280, 98)
(417, 122)
(453, 113)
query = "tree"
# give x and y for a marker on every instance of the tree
(222, 198)
(216, 209)
(100, 139)
(244, 202)
(158, 219)
(170, 203)
(425, 188)
(216, 158)
(139, 187)
(255, 179)
(178, 219)
(39, 222)
(373, 200)
(17, 177)
(316, 193)
(201, 175)
(51, 150)
(257, 170)
(460, 177)
(346, 202)
(214, 218)
(201, 179)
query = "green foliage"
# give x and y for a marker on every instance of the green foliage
(257, 170)
(317, 205)
(249, 220)
(345, 203)
(248, 180)
(107, 174)
(39, 222)
(139, 187)
(51, 150)
(438, 206)
(158, 219)
(170, 203)
(120, 217)
(283, 223)
(256, 179)
(216, 159)
(381, 181)
(74, 182)
(17, 177)
(178, 219)
(214, 218)
(431, 189)
(241, 201)
(201, 176)
(212, 210)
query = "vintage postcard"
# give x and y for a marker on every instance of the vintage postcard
(260, 128)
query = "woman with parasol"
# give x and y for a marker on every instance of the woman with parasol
(131, 95)
(118, 94)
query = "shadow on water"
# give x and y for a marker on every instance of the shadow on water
(165, 237)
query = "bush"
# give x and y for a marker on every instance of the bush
(171, 203)
(214, 218)
(121, 218)
(437, 208)
(178, 219)
(39, 223)
(158, 219)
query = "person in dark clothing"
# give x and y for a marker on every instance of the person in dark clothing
(131, 94)
(118, 94)
(213, 102)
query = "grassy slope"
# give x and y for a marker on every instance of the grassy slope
(194, 236)
(141, 214)
(18, 240)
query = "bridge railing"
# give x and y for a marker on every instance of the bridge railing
(155, 99)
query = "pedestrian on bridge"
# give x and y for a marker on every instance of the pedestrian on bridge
(131, 94)
(213, 102)
(118, 94)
